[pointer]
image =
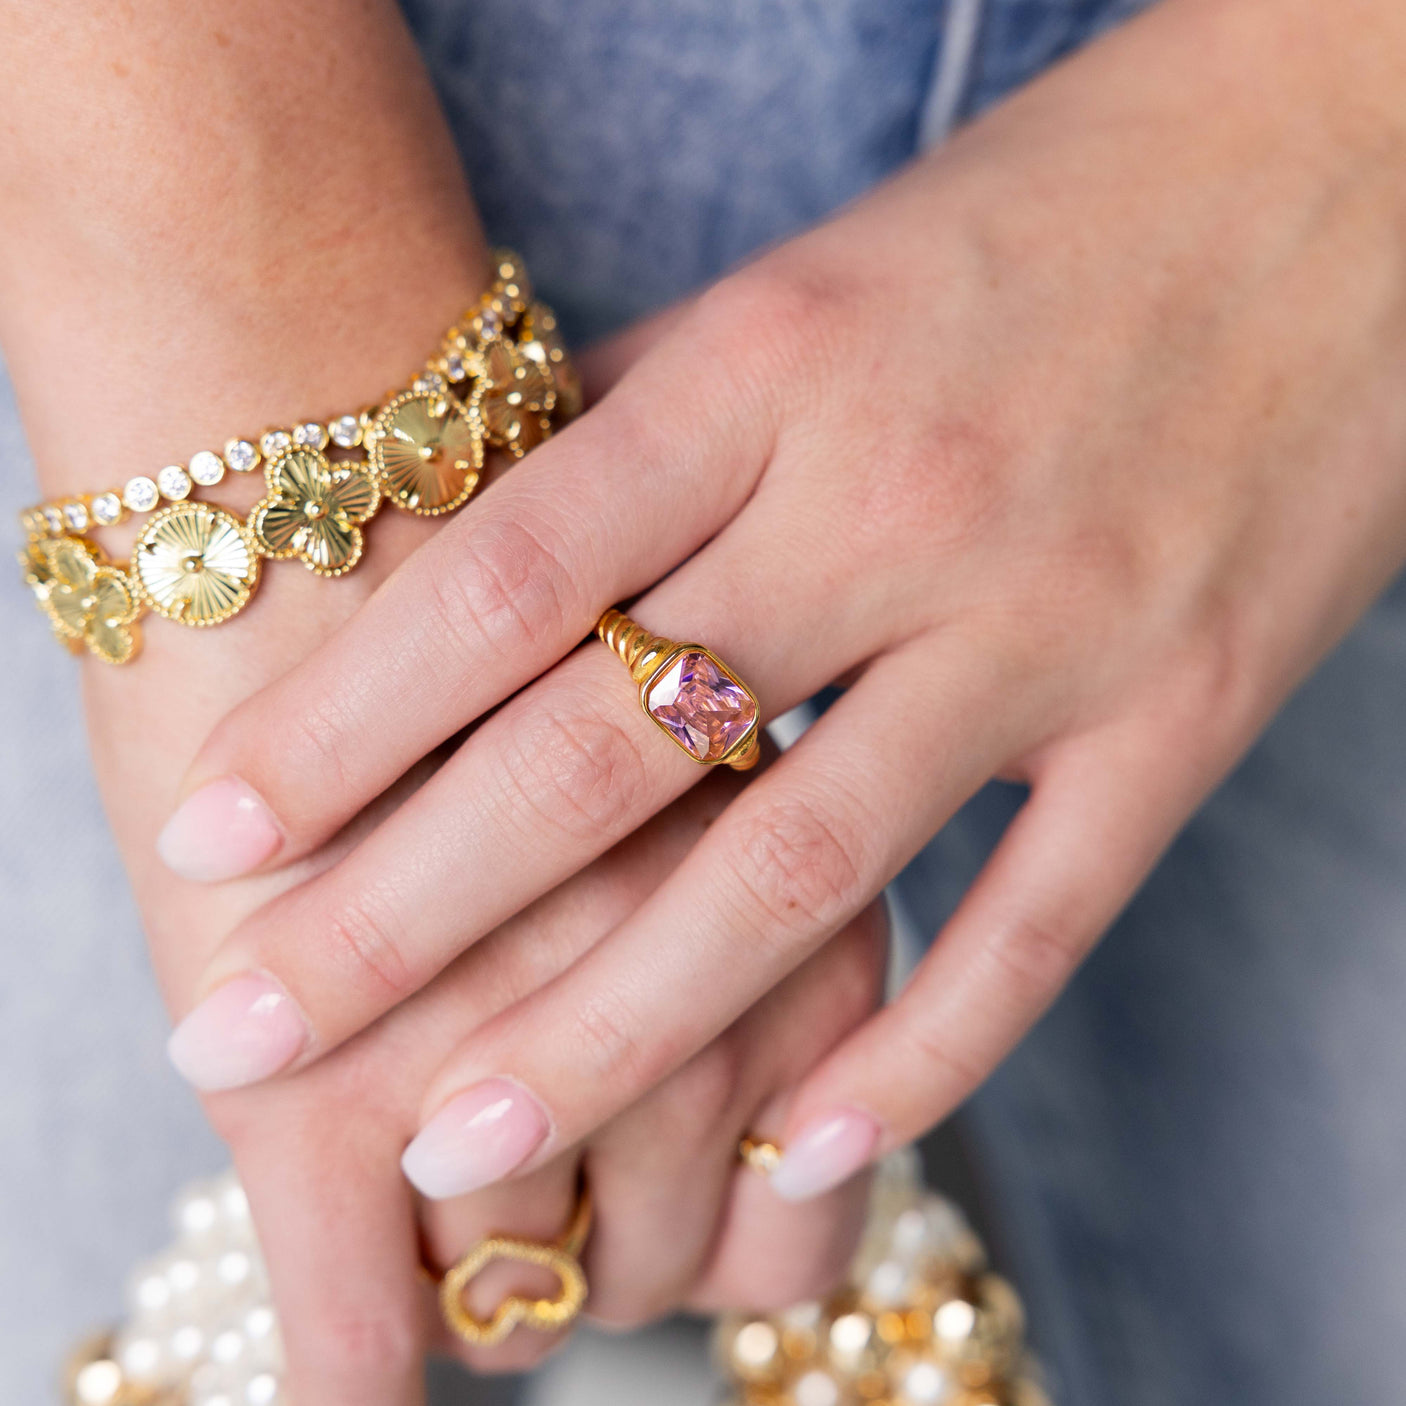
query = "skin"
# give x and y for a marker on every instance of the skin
(1071, 450)
(224, 287)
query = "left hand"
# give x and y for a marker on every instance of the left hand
(1072, 449)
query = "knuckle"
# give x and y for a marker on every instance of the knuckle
(502, 592)
(1034, 958)
(580, 771)
(609, 1037)
(316, 736)
(790, 309)
(801, 867)
(364, 939)
(356, 1342)
(687, 1108)
(942, 1063)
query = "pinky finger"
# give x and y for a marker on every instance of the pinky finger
(1074, 855)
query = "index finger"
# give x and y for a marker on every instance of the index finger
(498, 596)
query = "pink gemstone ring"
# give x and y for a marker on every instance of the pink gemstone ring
(689, 694)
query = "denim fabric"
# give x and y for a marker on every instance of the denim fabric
(634, 150)
(1195, 1161)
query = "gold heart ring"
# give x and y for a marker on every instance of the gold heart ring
(547, 1315)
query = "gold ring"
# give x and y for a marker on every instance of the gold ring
(694, 699)
(546, 1315)
(759, 1154)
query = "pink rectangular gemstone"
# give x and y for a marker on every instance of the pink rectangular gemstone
(705, 710)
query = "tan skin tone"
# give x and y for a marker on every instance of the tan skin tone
(1073, 448)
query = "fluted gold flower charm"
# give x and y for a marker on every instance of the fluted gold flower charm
(314, 510)
(427, 451)
(90, 604)
(196, 564)
(542, 343)
(514, 398)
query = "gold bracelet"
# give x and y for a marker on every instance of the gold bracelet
(501, 377)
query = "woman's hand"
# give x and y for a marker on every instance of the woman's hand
(677, 1221)
(1072, 449)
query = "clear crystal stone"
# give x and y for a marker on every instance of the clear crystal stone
(241, 456)
(174, 482)
(141, 494)
(346, 431)
(455, 367)
(53, 520)
(75, 514)
(206, 468)
(107, 509)
(489, 324)
(273, 442)
(310, 435)
(430, 382)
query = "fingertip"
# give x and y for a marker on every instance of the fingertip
(246, 1030)
(221, 831)
(827, 1152)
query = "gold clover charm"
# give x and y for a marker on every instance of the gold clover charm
(427, 451)
(546, 1315)
(90, 604)
(196, 564)
(542, 343)
(314, 510)
(514, 399)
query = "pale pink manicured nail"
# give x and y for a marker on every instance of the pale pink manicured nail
(240, 1033)
(829, 1151)
(478, 1137)
(219, 832)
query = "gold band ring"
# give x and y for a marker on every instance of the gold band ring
(546, 1315)
(759, 1154)
(688, 693)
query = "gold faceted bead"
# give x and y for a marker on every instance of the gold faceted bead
(427, 451)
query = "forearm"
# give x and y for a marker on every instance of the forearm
(217, 217)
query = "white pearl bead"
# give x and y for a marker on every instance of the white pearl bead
(227, 1346)
(816, 1389)
(183, 1275)
(148, 1290)
(142, 1360)
(910, 1233)
(954, 1321)
(195, 1213)
(188, 1343)
(234, 1204)
(234, 1268)
(263, 1390)
(888, 1283)
(926, 1384)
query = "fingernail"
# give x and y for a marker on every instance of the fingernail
(221, 831)
(240, 1033)
(477, 1138)
(829, 1151)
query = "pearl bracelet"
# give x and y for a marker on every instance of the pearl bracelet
(501, 377)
